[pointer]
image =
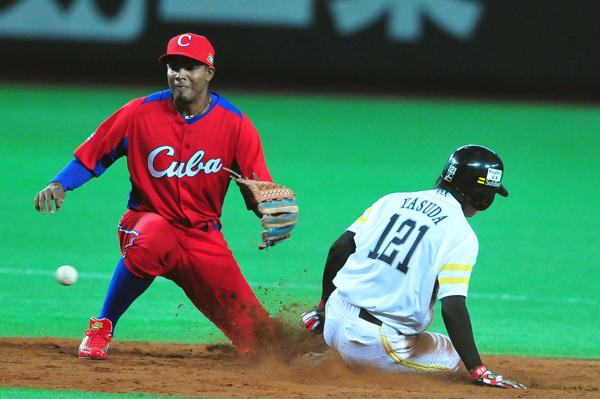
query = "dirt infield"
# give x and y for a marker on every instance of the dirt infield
(217, 371)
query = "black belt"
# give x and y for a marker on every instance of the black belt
(365, 315)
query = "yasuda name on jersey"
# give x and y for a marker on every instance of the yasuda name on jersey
(426, 207)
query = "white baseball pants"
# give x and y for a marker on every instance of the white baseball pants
(363, 343)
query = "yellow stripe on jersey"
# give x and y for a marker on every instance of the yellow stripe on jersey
(363, 219)
(453, 266)
(385, 341)
(454, 280)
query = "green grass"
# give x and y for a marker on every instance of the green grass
(533, 291)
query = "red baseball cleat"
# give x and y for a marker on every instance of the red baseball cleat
(96, 340)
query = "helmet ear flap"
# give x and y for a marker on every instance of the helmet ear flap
(481, 199)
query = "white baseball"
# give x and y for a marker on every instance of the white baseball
(66, 275)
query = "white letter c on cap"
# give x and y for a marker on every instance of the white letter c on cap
(181, 37)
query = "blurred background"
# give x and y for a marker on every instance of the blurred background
(448, 47)
(353, 99)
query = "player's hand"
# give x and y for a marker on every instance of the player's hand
(314, 319)
(53, 192)
(484, 377)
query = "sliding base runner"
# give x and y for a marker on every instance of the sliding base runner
(384, 275)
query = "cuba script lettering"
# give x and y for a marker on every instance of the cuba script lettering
(190, 168)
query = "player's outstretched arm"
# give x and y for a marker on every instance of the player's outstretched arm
(338, 254)
(458, 324)
(340, 251)
(73, 175)
(53, 192)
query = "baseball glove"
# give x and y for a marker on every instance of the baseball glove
(276, 203)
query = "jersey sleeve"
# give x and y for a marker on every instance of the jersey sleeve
(249, 153)
(109, 142)
(73, 175)
(357, 226)
(455, 274)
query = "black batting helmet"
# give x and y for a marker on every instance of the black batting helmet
(476, 172)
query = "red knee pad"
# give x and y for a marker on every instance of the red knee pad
(149, 244)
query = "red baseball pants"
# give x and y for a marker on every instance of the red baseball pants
(201, 264)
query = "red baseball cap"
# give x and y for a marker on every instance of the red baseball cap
(190, 45)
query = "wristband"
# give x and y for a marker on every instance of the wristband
(479, 371)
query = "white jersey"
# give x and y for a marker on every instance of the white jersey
(405, 243)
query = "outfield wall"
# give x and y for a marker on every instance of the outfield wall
(498, 44)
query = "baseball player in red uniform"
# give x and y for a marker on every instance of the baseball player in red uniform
(178, 143)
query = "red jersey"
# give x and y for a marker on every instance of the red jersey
(176, 166)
